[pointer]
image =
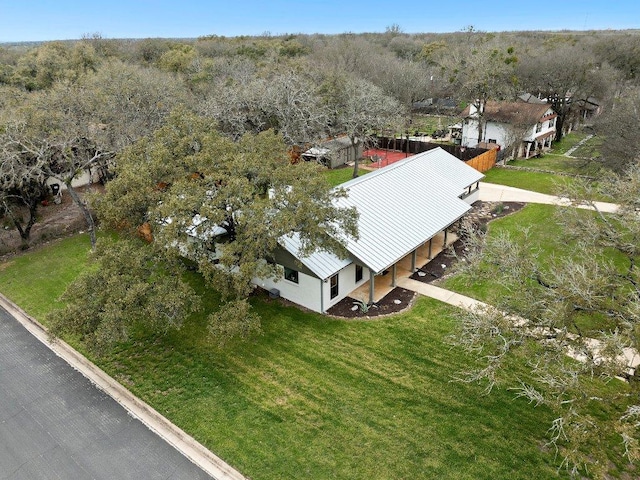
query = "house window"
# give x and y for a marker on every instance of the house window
(358, 273)
(538, 127)
(291, 275)
(552, 122)
(334, 286)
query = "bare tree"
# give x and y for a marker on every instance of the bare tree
(563, 76)
(289, 103)
(71, 128)
(359, 109)
(482, 73)
(22, 188)
(571, 320)
(620, 126)
(63, 158)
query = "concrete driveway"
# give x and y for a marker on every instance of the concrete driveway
(55, 424)
(491, 192)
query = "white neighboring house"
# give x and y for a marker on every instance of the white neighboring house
(401, 208)
(528, 127)
(87, 177)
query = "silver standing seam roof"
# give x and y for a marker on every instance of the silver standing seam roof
(400, 207)
(324, 264)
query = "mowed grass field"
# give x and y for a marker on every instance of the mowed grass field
(316, 397)
(555, 169)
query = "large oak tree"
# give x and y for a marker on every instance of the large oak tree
(192, 192)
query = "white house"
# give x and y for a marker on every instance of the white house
(402, 209)
(528, 127)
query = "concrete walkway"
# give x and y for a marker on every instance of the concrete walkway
(569, 152)
(446, 296)
(631, 356)
(491, 192)
(494, 193)
(174, 436)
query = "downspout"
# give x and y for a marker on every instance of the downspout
(321, 296)
(372, 287)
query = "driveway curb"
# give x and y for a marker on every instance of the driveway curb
(174, 436)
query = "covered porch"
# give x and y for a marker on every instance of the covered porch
(380, 285)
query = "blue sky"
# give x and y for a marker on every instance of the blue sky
(25, 20)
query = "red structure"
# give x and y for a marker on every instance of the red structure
(382, 158)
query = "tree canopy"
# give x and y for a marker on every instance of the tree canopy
(213, 183)
(192, 192)
(570, 316)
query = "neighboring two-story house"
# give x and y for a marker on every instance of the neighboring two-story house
(522, 129)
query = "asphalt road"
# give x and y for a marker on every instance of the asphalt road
(55, 424)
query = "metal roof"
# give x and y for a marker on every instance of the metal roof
(400, 208)
(322, 263)
(329, 146)
(457, 172)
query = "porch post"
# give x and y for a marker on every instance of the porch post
(414, 256)
(430, 242)
(445, 239)
(393, 276)
(372, 285)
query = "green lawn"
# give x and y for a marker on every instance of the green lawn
(544, 234)
(560, 164)
(589, 149)
(538, 182)
(429, 123)
(549, 180)
(337, 176)
(314, 397)
(36, 280)
(568, 141)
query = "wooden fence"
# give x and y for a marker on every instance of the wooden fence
(479, 158)
(484, 161)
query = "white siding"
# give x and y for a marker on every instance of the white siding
(81, 181)
(501, 133)
(531, 134)
(346, 284)
(492, 131)
(306, 292)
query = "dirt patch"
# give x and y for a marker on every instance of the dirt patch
(54, 221)
(397, 300)
(4, 265)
